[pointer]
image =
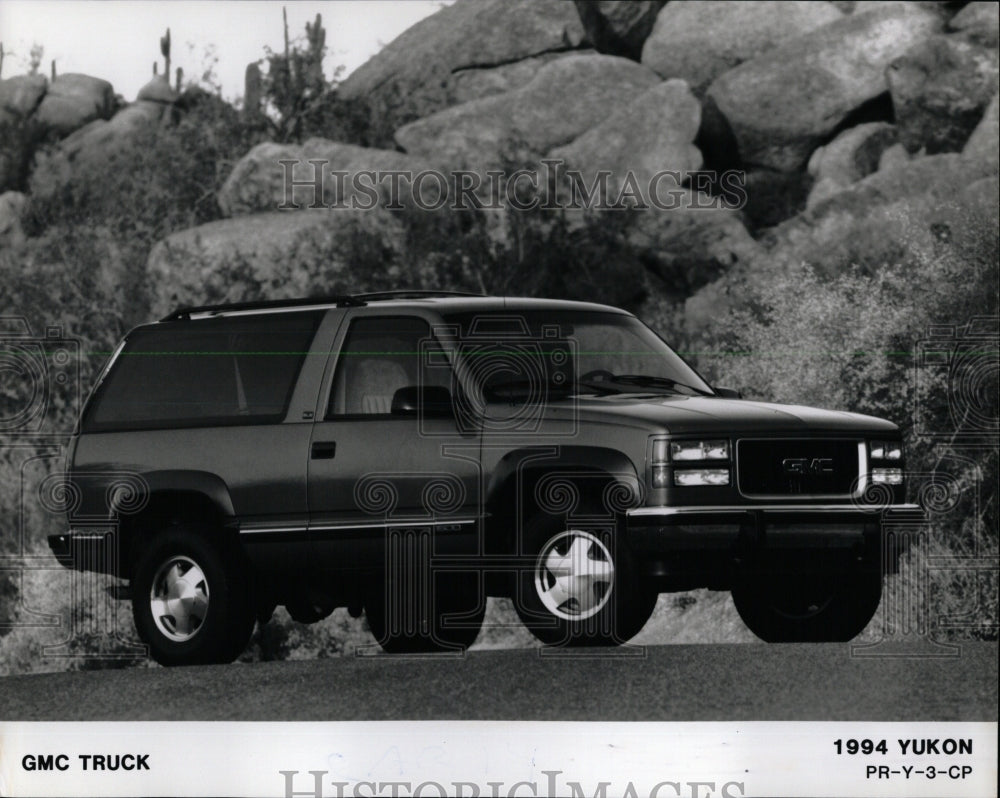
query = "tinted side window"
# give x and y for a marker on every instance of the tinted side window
(380, 356)
(237, 370)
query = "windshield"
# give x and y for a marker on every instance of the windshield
(543, 353)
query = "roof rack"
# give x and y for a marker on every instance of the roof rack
(377, 296)
(340, 300)
(185, 312)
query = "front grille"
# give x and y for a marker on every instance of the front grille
(800, 467)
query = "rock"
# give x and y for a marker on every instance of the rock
(773, 196)
(940, 88)
(566, 98)
(274, 255)
(619, 28)
(478, 82)
(893, 157)
(12, 208)
(100, 138)
(693, 244)
(20, 95)
(698, 41)
(257, 182)
(783, 103)
(72, 101)
(892, 211)
(984, 143)
(942, 9)
(979, 21)
(412, 76)
(854, 154)
(907, 212)
(653, 133)
(158, 90)
(96, 143)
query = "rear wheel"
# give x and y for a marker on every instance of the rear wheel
(583, 587)
(809, 607)
(190, 598)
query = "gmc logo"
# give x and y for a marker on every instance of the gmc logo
(807, 465)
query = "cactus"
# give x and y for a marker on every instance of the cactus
(156, 66)
(316, 36)
(1, 59)
(165, 52)
(53, 68)
(252, 91)
(179, 79)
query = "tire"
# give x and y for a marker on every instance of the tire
(582, 588)
(809, 607)
(190, 598)
(412, 610)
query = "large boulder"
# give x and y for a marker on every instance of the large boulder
(918, 210)
(978, 21)
(652, 134)
(894, 213)
(698, 41)
(72, 101)
(274, 255)
(692, 244)
(258, 181)
(566, 98)
(474, 83)
(782, 104)
(940, 88)
(618, 28)
(984, 143)
(94, 144)
(20, 96)
(412, 76)
(158, 90)
(12, 209)
(852, 155)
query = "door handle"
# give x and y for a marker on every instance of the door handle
(324, 450)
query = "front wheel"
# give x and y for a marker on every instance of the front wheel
(809, 607)
(582, 588)
(190, 599)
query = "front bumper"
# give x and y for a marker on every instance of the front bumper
(86, 549)
(763, 526)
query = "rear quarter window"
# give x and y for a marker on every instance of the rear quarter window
(209, 372)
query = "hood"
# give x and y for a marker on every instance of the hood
(681, 415)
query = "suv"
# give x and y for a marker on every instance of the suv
(407, 454)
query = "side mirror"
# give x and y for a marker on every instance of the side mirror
(727, 393)
(431, 401)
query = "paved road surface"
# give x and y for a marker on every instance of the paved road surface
(677, 682)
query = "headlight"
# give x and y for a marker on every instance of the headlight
(886, 450)
(887, 476)
(701, 476)
(681, 451)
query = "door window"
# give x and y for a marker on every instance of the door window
(380, 356)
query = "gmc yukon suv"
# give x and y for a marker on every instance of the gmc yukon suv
(407, 454)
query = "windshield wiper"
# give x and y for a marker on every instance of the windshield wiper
(649, 381)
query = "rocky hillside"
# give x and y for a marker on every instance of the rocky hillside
(833, 111)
